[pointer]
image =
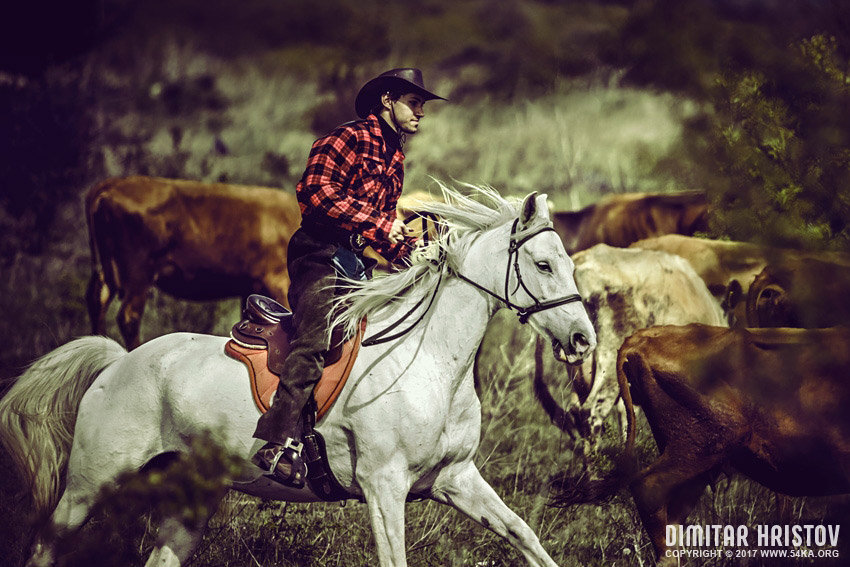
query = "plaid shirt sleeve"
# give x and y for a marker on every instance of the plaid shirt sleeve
(342, 183)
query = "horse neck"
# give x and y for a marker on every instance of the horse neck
(463, 312)
(486, 263)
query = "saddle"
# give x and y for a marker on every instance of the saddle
(261, 341)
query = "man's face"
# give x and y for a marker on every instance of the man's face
(408, 110)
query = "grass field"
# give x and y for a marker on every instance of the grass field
(520, 449)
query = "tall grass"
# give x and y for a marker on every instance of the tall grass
(166, 108)
(575, 143)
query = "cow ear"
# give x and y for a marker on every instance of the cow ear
(529, 209)
(732, 295)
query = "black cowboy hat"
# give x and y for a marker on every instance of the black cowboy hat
(408, 80)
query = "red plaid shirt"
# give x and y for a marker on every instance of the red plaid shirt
(347, 183)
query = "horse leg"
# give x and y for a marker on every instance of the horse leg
(175, 543)
(98, 297)
(130, 317)
(462, 487)
(177, 539)
(385, 492)
(70, 513)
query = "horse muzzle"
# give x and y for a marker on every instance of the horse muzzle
(578, 348)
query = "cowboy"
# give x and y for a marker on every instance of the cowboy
(348, 196)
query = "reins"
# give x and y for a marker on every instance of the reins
(513, 255)
(379, 338)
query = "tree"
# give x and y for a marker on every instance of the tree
(771, 147)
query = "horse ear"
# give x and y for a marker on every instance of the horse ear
(529, 208)
(544, 209)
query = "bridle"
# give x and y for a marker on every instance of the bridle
(516, 242)
(517, 239)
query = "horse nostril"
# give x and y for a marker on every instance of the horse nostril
(579, 342)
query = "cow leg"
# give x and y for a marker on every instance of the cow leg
(668, 487)
(130, 317)
(462, 487)
(651, 493)
(98, 297)
(684, 498)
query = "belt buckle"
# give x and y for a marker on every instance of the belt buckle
(358, 243)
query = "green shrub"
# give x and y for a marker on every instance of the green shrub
(782, 142)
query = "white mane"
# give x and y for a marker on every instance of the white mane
(462, 219)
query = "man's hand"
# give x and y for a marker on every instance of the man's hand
(398, 231)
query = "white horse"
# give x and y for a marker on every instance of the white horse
(407, 421)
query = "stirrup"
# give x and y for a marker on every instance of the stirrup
(265, 310)
(291, 449)
(293, 444)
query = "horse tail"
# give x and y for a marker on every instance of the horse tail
(38, 414)
(570, 489)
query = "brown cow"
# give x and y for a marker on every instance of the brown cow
(192, 240)
(728, 268)
(769, 403)
(619, 220)
(802, 292)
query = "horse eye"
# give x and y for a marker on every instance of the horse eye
(544, 267)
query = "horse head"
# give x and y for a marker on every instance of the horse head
(535, 280)
(542, 278)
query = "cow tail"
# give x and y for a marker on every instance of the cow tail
(92, 200)
(584, 487)
(628, 361)
(102, 263)
(38, 414)
(103, 282)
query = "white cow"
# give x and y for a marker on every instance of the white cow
(625, 290)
